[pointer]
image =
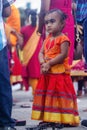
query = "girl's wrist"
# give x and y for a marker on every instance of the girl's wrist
(50, 63)
(42, 61)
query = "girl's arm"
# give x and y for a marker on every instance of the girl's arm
(60, 58)
(41, 55)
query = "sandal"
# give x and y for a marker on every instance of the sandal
(68, 125)
(20, 123)
(25, 106)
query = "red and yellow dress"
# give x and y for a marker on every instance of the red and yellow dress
(55, 98)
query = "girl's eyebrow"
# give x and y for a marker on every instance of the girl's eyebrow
(49, 21)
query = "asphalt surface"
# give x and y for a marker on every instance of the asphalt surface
(22, 97)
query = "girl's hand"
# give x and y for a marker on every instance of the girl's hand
(45, 67)
(42, 61)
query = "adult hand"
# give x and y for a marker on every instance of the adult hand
(80, 29)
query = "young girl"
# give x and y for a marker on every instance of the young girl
(55, 98)
(66, 6)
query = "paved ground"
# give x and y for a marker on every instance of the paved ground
(21, 97)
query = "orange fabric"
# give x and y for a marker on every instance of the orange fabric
(63, 100)
(13, 21)
(33, 82)
(30, 47)
(10, 37)
(52, 49)
(52, 94)
(15, 79)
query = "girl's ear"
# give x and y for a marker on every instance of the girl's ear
(63, 24)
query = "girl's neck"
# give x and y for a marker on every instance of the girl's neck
(56, 34)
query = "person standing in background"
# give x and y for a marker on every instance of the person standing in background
(31, 45)
(31, 48)
(13, 22)
(6, 122)
(66, 7)
(81, 19)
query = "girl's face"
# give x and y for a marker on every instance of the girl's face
(53, 23)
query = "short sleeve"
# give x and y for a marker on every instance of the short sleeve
(63, 38)
(7, 3)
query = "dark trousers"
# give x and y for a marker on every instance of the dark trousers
(85, 38)
(5, 91)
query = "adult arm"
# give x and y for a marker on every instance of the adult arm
(20, 38)
(45, 5)
(78, 27)
(6, 7)
(6, 11)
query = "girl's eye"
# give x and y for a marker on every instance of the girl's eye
(52, 20)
